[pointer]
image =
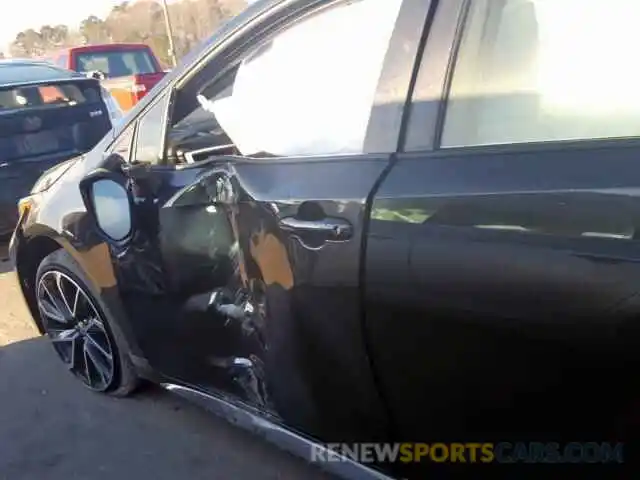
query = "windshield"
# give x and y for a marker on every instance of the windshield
(116, 63)
(51, 119)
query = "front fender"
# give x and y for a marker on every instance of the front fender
(34, 240)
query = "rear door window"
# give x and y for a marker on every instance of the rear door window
(545, 70)
(117, 63)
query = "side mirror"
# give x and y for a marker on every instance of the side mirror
(109, 202)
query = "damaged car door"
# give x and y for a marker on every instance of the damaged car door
(253, 174)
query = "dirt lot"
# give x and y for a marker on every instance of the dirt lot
(14, 324)
(52, 428)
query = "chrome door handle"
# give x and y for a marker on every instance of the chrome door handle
(334, 228)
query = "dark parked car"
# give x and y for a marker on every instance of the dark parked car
(365, 221)
(47, 116)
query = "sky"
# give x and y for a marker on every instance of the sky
(25, 14)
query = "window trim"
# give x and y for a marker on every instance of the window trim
(230, 37)
(134, 142)
(386, 130)
(433, 75)
(108, 151)
(603, 144)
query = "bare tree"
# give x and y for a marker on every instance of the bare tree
(135, 21)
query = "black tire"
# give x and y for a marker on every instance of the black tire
(102, 334)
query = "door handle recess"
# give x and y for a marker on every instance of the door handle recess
(336, 229)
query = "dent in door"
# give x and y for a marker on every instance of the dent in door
(248, 270)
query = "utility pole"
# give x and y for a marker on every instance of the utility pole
(167, 23)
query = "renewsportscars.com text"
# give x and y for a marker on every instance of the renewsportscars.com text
(501, 452)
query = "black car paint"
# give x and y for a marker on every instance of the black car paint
(184, 337)
(454, 327)
(524, 272)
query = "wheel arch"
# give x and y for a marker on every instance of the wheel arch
(30, 253)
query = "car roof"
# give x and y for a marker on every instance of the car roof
(20, 71)
(101, 47)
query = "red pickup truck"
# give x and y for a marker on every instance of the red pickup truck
(127, 70)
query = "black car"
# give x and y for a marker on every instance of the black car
(458, 262)
(48, 115)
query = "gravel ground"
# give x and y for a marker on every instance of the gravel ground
(15, 324)
(52, 428)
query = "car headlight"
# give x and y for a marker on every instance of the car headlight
(113, 107)
(52, 175)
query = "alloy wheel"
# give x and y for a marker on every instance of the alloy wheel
(76, 329)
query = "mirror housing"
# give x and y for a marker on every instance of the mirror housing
(110, 204)
(114, 163)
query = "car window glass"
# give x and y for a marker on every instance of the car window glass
(117, 63)
(122, 145)
(194, 128)
(303, 92)
(545, 70)
(150, 130)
